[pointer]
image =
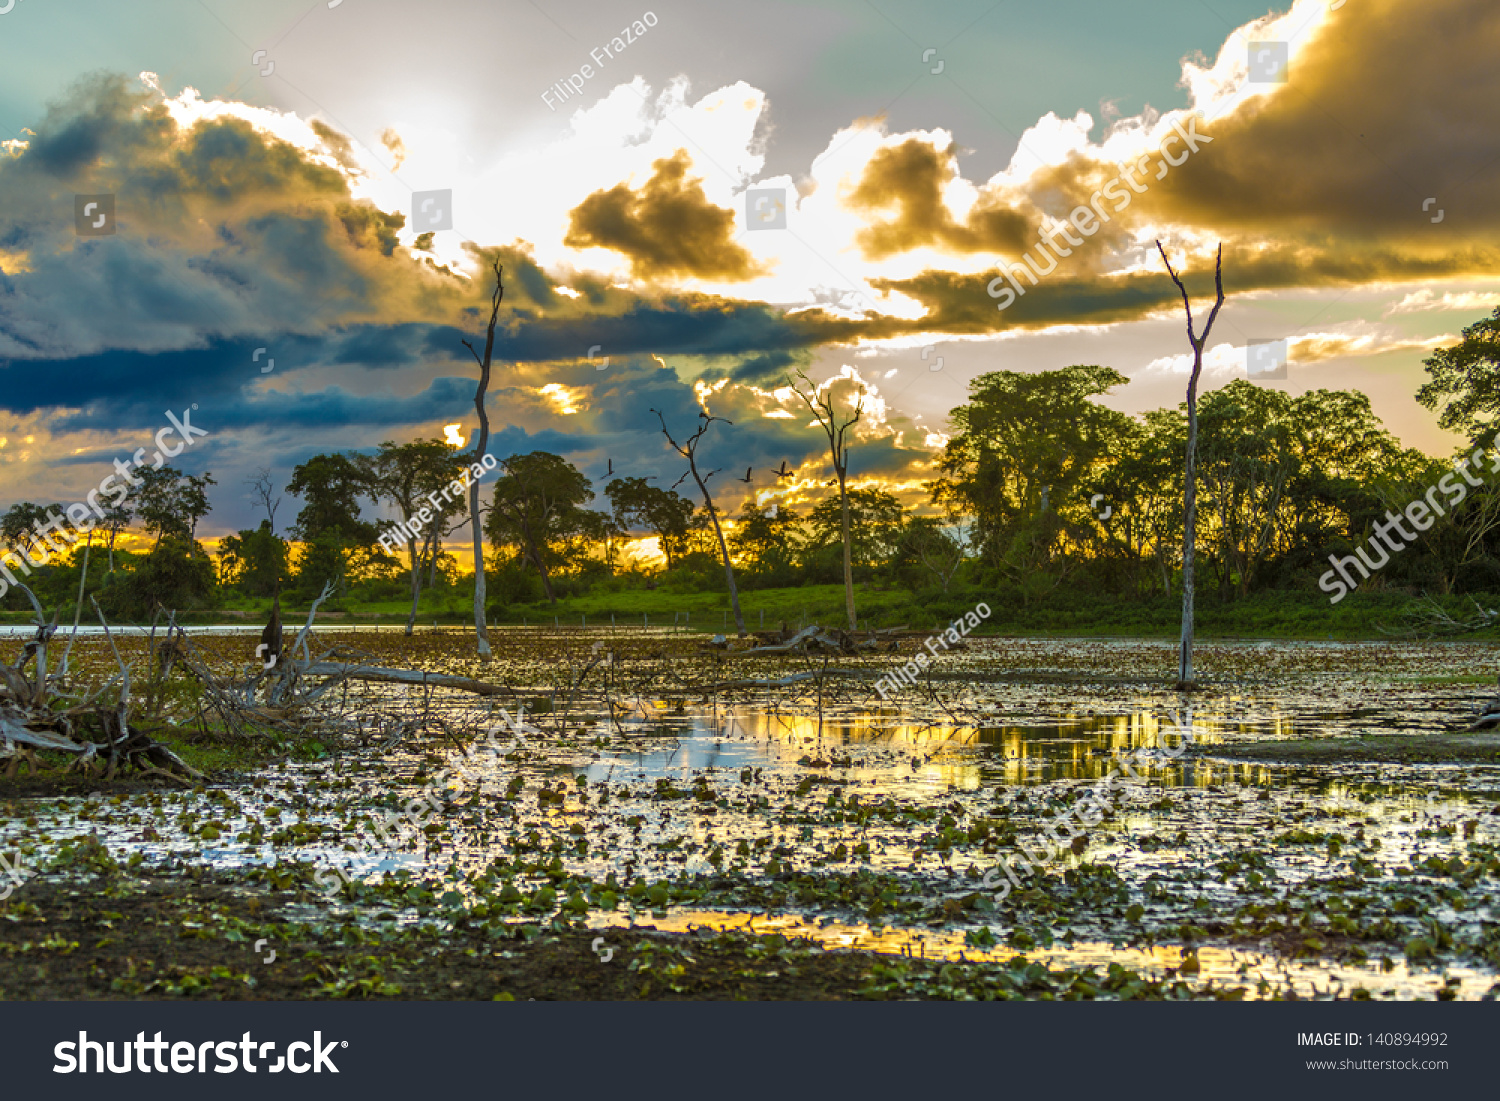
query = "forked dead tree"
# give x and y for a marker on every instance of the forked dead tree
(689, 451)
(821, 407)
(263, 491)
(1190, 465)
(481, 441)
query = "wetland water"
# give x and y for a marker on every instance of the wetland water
(865, 824)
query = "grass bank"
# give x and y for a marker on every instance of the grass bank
(1067, 613)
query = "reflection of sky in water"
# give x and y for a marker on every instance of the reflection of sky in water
(866, 748)
(1224, 967)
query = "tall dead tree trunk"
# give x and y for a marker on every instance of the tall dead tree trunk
(838, 454)
(1190, 466)
(480, 443)
(689, 451)
(83, 576)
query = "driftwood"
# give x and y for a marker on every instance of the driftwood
(30, 721)
(40, 739)
(283, 696)
(781, 682)
(403, 676)
(816, 640)
(1426, 618)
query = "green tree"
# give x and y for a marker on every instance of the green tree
(254, 561)
(116, 519)
(1023, 448)
(329, 523)
(1465, 382)
(22, 527)
(414, 477)
(766, 544)
(875, 525)
(638, 505)
(539, 511)
(170, 503)
(1135, 503)
(176, 574)
(928, 548)
(1282, 475)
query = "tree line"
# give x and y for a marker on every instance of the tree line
(1040, 487)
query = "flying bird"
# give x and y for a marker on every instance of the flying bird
(784, 472)
(746, 478)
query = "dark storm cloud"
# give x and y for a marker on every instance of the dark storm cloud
(1389, 109)
(222, 230)
(769, 367)
(961, 304)
(333, 407)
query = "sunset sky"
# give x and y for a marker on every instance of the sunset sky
(1355, 201)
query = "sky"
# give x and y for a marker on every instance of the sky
(693, 200)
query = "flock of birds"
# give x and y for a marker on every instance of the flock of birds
(749, 474)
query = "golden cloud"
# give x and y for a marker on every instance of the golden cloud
(912, 178)
(668, 228)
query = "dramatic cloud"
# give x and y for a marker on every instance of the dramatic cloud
(668, 228)
(223, 229)
(916, 177)
(245, 235)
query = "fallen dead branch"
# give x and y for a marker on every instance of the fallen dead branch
(380, 673)
(1426, 618)
(781, 682)
(814, 639)
(29, 721)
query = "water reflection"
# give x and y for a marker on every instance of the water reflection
(1258, 974)
(869, 746)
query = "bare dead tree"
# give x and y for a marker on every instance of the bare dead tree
(83, 576)
(821, 407)
(689, 451)
(262, 489)
(1190, 465)
(482, 441)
